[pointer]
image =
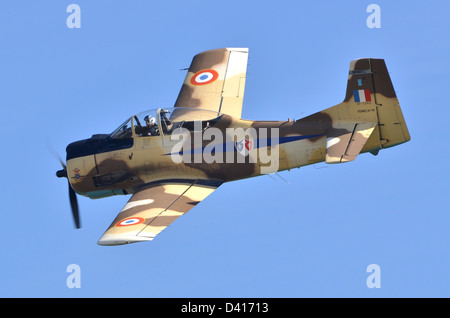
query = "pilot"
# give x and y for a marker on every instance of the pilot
(151, 128)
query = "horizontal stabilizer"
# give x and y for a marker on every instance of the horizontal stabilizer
(345, 144)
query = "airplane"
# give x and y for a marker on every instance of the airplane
(169, 160)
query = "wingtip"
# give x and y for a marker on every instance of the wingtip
(238, 49)
(230, 49)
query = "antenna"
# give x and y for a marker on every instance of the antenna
(282, 178)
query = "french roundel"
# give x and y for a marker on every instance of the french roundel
(204, 77)
(131, 221)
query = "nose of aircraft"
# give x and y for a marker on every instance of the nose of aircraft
(61, 173)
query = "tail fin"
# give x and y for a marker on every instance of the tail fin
(369, 118)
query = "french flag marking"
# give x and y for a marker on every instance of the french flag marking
(362, 95)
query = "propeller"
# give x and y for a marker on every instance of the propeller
(72, 195)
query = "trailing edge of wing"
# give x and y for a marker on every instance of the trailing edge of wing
(151, 210)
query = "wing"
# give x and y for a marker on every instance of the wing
(151, 210)
(216, 81)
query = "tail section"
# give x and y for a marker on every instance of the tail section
(369, 118)
(372, 75)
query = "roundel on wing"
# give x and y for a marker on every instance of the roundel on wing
(204, 77)
(131, 221)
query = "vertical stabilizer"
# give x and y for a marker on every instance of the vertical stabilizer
(369, 118)
(370, 87)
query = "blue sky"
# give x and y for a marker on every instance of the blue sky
(311, 237)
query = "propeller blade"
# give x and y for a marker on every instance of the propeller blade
(55, 154)
(72, 195)
(74, 206)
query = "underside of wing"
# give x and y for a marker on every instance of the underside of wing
(152, 209)
(216, 81)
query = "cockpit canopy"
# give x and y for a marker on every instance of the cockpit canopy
(161, 121)
(164, 122)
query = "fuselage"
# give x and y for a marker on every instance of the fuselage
(218, 150)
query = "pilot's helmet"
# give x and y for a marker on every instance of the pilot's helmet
(150, 120)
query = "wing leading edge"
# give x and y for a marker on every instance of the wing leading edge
(151, 210)
(216, 81)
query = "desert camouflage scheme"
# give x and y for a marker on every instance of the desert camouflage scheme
(166, 180)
